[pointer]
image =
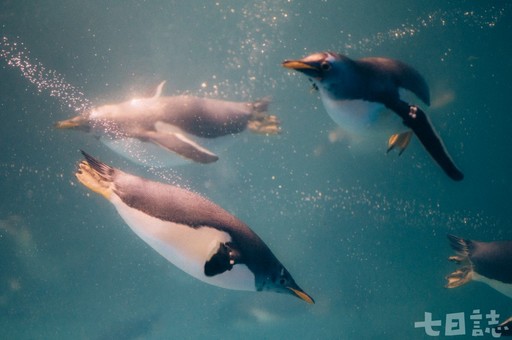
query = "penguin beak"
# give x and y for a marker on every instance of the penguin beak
(297, 65)
(311, 69)
(301, 294)
(78, 122)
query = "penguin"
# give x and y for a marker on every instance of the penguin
(354, 92)
(144, 130)
(193, 233)
(505, 328)
(487, 262)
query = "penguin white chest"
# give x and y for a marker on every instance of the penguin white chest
(186, 247)
(356, 116)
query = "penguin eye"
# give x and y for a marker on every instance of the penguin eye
(282, 281)
(325, 66)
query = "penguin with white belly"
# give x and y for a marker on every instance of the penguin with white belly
(150, 131)
(487, 262)
(196, 235)
(354, 92)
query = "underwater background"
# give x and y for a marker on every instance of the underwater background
(364, 233)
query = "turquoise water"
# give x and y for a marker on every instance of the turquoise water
(364, 233)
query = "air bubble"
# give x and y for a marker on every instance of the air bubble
(48, 81)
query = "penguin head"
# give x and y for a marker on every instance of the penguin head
(108, 111)
(280, 281)
(90, 119)
(327, 70)
(104, 116)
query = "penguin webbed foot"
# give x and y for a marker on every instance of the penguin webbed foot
(457, 259)
(260, 121)
(459, 277)
(224, 259)
(263, 123)
(95, 175)
(463, 274)
(400, 141)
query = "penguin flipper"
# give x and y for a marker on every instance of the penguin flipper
(403, 75)
(224, 259)
(180, 144)
(414, 118)
(159, 88)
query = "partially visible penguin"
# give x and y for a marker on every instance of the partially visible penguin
(144, 130)
(505, 328)
(194, 234)
(355, 92)
(487, 262)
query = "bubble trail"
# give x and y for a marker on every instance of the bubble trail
(482, 19)
(18, 56)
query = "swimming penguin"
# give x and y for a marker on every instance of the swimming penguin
(196, 235)
(140, 129)
(355, 91)
(487, 262)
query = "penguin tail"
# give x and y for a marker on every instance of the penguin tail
(260, 121)
(464, 273)
(96, 175)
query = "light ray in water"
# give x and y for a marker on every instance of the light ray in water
(47, 81)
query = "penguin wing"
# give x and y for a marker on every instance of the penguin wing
(417, 120)
(401, 74)
(180, 144)
(224, 259)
